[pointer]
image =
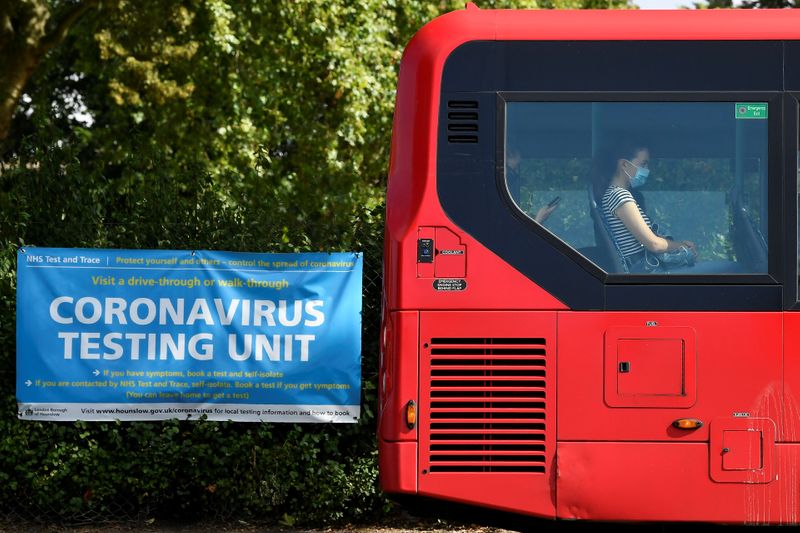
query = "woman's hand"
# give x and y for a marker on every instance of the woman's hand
(675, 246)
(691, 246)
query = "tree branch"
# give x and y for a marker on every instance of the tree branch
(20, 62)
(67, 20)
(6, 29)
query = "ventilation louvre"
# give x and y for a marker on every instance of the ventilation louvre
(487, 405)
(462, 121)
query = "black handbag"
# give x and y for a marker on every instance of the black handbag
(666, 260)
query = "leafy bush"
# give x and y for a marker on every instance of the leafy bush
(176, 469)
(240, 126)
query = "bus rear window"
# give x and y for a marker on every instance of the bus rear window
(645, 187)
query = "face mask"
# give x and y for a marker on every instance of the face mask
(640, 178)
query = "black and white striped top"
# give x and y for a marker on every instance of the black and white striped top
(612, 199)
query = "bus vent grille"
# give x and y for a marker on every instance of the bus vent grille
(462, 121)
(487, 405)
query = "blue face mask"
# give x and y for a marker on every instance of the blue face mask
(640, 178)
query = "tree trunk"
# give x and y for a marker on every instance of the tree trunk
(18, 70)
(28, 30)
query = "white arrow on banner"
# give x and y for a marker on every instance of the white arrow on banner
(96, 372)
(29, 383)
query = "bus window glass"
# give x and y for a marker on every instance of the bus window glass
(645, 187)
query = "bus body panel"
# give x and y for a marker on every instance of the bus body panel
(398, 384)
(487, 415)
(412, 169)
(502, 492)
(399, 376)
(412, 204)
(633, 25)
(790, 429)
(668, 482)
(616, 455)
(733, 366)
(397, 462)
(412, 201)
(488, 283)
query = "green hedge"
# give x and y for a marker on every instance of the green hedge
(77, 472)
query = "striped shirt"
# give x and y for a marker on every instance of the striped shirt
(624, 239)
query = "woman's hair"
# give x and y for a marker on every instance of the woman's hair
(604, 164)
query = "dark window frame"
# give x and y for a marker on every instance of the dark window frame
(466, 174)
(791, 139)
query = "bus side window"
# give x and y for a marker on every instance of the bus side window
(702, 167)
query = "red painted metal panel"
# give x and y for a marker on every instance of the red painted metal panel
(614, 25)
(742, 450)
(789, 431)
(660, 366)
(668, 482)
(738, 371)
(486, 417)
(451, 255)
(397, 462)
(399, 375)
(490, 282)
(654, 367)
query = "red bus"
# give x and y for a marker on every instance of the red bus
(591, 275)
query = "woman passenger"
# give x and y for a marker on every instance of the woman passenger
(615, 178)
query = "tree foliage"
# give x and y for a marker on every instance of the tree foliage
(29, 29)
(207, 124)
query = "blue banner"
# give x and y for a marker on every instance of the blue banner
(153, 335)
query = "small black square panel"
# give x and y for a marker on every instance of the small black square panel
(425, 251)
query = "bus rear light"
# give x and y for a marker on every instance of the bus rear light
(411, 414)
